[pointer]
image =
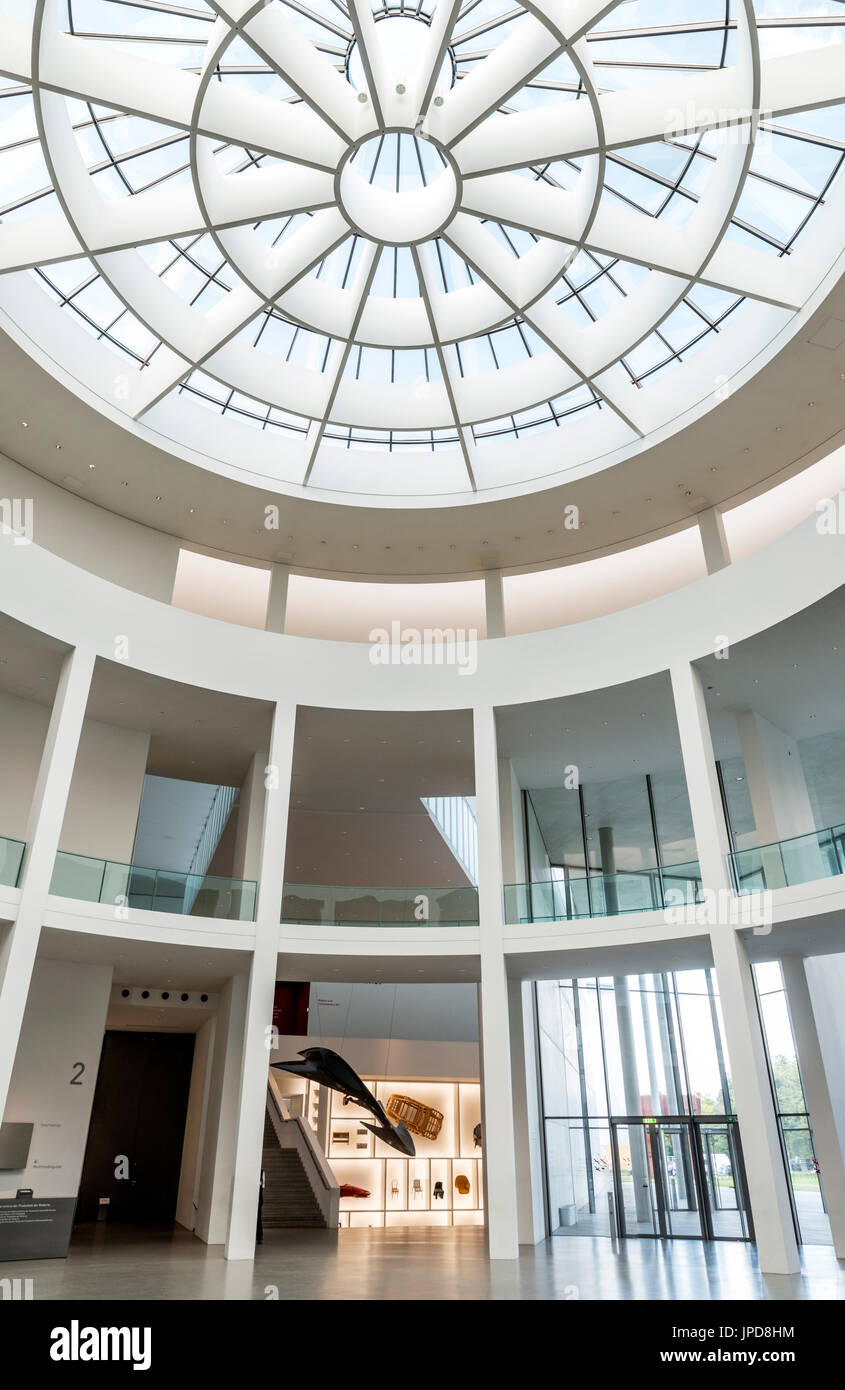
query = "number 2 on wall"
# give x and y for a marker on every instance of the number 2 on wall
(74, 1080)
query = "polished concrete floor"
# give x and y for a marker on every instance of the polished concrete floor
(415, 1264)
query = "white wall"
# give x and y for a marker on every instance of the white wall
(63, 1024)
(94, 538)
(429, 1013)
(105, 794)
(348, 611)
(23, 726)
(428, 1061)
(224, 589)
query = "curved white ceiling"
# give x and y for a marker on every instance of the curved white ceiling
(385, 233)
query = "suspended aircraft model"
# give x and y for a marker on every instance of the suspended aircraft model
(328, 1068)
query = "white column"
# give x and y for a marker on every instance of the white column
(494, 603)
(494, 1040)
(817, 1095)
(530, 1198)
(277, 601)
(252, 1100)
(218, 1155)
(47, 813)
(774, 1230)
(711, 833)
(711, 528)
(768, 1192)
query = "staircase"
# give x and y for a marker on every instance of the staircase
(288, 1196)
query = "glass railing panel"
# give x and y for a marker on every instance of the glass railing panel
(156, 890)
(800, 859)
(326, 904)
(78, 876)
(602, 895)
(11, 861)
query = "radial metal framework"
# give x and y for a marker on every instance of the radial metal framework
(416, 226)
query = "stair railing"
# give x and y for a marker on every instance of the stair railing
(294, 1133)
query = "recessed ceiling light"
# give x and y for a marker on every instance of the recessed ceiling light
(58, 446)
(92, 465)
(25, 424)
(157, 497)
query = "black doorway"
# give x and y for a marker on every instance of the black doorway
(134, 1150)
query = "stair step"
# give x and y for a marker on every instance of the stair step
(289, 1199)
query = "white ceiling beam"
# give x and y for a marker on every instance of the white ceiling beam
(164, 213)
(91, 71)
(571, 18)
(699, 102)
(373, 59)
(545, 316)
(464, 435)
(288, 263)
(342, 349)
(540, 208)
(491, 82)
(296, 59)
(434, 50)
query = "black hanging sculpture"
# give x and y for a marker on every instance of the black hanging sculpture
(327, 1068)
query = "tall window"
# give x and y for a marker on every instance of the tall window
(618, 1054)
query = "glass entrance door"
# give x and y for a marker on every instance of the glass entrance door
(721, 1165)
(679, 1178)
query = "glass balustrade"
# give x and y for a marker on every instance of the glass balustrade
(156, 890)
(800, 859)
(603, 895)
(328, 904)
(11, 860)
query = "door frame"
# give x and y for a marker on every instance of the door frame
(693, 1125)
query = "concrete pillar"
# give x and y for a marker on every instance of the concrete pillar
(768, 1190)
(711, 832)
(514, 864)
(608, 868)
(826, 982)
(47, 813)
(246, 856)
(714, 542)
(220, 1139)
(277, 601)
(494, 603)
(252, 1098)
(767, 1183)
(817, 1095)
(527, 1114)
(494, 1037)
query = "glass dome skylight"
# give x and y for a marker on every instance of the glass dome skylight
(414, 229)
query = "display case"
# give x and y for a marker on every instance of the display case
(440, 1186)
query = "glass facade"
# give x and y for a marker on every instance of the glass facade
(637, 1103)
